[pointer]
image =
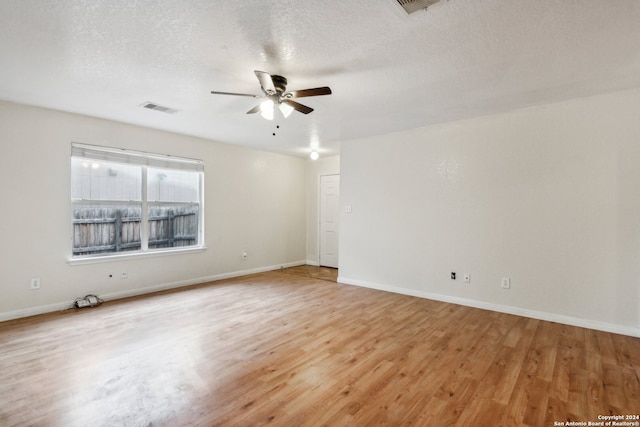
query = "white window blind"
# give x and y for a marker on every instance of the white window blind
(119, 155)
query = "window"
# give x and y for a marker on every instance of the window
(131, 202)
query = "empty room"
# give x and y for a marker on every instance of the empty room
(320, 213)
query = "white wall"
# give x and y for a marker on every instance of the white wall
(548, 196)
(254, 201)
(316, 169)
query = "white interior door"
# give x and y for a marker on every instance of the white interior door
(329, 219)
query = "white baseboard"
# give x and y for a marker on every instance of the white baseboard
(314, 263)
(534, 314)
(33, 311)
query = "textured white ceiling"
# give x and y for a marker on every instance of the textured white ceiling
(388, 70)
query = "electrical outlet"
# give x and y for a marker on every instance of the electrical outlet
(124, 276)
(506, 282)
(244, 255)
(467, 278)
(35, 283)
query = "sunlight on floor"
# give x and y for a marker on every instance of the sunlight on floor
(158, 381)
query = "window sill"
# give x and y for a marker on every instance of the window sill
(130, 256)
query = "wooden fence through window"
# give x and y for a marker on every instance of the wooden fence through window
(108, 230)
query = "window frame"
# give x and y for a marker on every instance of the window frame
(144, 160)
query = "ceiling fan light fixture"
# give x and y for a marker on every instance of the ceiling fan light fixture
(266, 109)
(285, 109)
(267, 115)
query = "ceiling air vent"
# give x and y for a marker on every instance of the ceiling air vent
(156, 107)
(411, 6)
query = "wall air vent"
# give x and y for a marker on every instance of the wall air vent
(411, 6)
(156, 107)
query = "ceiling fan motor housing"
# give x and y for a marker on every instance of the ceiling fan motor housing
(280, 83)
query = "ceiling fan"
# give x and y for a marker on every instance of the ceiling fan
(274, 90)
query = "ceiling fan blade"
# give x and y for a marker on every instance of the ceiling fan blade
(254, 109)
(309, 92)
(266, 82)
(297, 106)
(234, 94)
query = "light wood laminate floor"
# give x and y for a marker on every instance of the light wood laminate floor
(289, 350)
(323, 273)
